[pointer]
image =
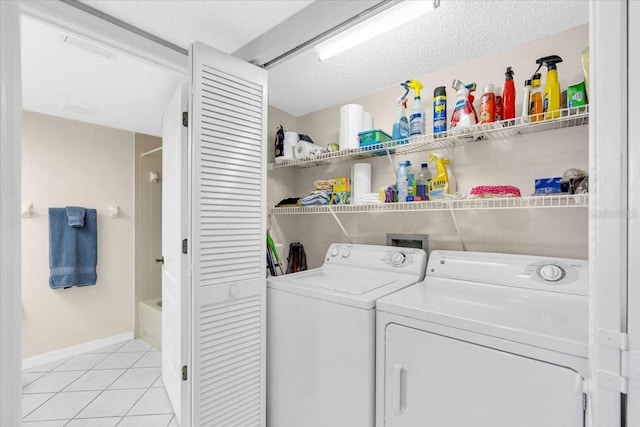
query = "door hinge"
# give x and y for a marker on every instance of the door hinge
(185, 119)
(584, 401)
(184, 373)
(184, 246)
(629, 361)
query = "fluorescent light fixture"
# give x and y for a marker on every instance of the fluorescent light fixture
(386, 20)
(73, 41)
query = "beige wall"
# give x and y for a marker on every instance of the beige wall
(148, 223)
(517, 161)
(65, 162)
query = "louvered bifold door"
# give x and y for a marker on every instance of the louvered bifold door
(228, 173)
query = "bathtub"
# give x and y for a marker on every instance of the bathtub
(150, 322)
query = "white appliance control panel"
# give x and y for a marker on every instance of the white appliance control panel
(388, 258)
(526, 271)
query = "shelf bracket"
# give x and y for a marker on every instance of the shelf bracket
(395, 168)
(340, 224)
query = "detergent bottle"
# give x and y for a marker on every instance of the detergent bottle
(402, 183)
(552, 100)
(439, 185)
(464, 113)
(535, 102)
(526, 98)
(417, 118)
(401, 125)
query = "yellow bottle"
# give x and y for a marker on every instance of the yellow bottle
(552, 101)
(439, 185)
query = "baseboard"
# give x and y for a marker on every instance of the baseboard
(75, 350)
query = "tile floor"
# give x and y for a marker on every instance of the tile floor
(119, 385)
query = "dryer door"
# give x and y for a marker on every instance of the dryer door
(435, 381)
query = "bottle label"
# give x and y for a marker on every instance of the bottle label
(416, 124)
(404, 128)
(439, 114)
(403, 189)
(545, 105)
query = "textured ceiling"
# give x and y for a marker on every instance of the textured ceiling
(225, 25)
(131, 95)
(454, 33)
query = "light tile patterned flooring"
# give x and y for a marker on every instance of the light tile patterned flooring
(119, 385)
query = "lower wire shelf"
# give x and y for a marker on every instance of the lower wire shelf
(529, 202)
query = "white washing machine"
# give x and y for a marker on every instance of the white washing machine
(486, 340)
(321, 335)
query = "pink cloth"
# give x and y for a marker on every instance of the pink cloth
(495, 190)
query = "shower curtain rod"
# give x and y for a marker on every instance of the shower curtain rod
(146, 153)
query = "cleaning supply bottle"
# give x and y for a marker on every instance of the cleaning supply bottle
(439, 185)
(499, 105)
(464, 114)
(535, 102)
(487, 105)
(403, 182)
(509, 96)
(552, 100)
(439, 110)
(526, 98)
(417, 118)
(411, 188)
(401, 125)
(422, 181)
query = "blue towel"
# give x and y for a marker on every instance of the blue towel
(73, 251)
(75, 216)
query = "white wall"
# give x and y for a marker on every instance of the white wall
(65, 162)
(511, 162)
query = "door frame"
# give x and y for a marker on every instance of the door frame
(94, 28)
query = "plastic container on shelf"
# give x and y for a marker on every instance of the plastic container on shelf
(373, 137)
(403, 181)
(422, 182)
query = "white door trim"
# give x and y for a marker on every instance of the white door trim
(86, 25)
(608, 206)
(10, 188)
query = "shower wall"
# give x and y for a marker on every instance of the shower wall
(148, 223)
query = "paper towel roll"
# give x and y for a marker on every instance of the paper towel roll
(351, 122)
(368, 121)
(360, 181)
(306, 150)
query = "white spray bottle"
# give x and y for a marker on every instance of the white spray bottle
(417, 118)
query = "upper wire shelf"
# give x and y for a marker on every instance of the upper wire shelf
(505, 129)
(529, 202)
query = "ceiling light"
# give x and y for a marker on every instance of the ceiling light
(73, 41)
(387, 20)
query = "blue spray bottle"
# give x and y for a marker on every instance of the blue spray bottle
(401, 125)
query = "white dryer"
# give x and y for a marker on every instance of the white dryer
(321, 334)
(486, 340)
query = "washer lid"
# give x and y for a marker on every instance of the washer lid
(345, 285)
(556, 321)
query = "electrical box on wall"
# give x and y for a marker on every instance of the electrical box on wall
(417, 241)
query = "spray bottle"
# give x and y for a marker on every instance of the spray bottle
(464, 113)
(509, 96)
(417, 118)
(551, 102)
(401, 125)
(440, 185)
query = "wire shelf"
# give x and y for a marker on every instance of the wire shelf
(530, 202)
(496, 131)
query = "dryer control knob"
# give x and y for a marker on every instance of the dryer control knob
(346, 253)
(552, 273)
(334, 252)
(398, 258)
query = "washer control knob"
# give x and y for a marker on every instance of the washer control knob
(334, 252)
(398, 258)
(346, 253)
(551, 272)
